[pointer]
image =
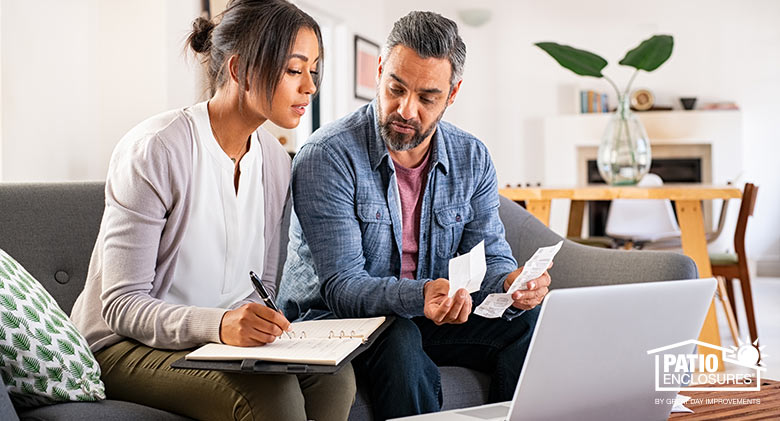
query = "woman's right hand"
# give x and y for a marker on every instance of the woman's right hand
(252, 324)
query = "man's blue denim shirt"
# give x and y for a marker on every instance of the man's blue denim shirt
(344, 252)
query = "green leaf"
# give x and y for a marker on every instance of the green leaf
(73, 338)
(86, 360)
(41, 383)
(581, 62)
(16, 292)
(8, 268)
(17, 371)
(31, 364)
(58, 357)
(45, 298)
(31, 314)
(44, 353)
(43, 337)
(37, 304)
(650, 54)
(50, 327)
(21, 341)
(72, 384)
(8, 302)
(23, 286)
(2, 334)
(76, 369)
(66, 347)
(55, 373)
(57, 322)
(7, 378)
(86, 398)
(27, 388)
(8, 351)
(10, 321)
(59, 394)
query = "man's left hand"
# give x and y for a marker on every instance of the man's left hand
(531, 297)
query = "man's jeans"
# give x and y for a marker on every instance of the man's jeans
(401, 370)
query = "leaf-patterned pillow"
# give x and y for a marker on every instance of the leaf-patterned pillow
(43, 357)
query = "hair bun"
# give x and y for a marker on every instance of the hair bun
(200, 38)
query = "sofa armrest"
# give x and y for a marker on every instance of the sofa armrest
(577, 265)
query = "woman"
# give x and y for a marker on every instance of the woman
(194, 201)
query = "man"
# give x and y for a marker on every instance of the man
(384, 197)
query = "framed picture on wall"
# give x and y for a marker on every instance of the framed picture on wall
(366, 58)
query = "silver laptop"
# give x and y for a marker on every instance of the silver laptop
(588, 356)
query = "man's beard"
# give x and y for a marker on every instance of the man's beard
(399, 142)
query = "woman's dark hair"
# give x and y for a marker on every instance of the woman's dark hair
(261, 33)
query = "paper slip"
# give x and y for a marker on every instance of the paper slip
(494, 305)
(679, 402)
(535, 266)
(468, 270)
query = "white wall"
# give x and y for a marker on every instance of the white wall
(723, 51)
(78, 74)
(345, 19)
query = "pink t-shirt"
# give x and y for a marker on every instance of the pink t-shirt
(410, 188)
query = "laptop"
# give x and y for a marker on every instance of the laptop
(588, 355)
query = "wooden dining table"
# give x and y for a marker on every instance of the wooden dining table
(687, 199)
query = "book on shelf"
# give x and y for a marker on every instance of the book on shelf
(593, 102)
(323, 342)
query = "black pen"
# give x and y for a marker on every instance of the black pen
(262, 291)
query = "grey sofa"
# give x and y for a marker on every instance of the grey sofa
(50, 228)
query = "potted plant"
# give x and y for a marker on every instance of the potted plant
(624, 153)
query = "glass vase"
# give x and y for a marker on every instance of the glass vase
(624, 153)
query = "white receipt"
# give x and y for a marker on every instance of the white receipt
(468, 270)
(535, 266)
(494, 305)
(679, 404)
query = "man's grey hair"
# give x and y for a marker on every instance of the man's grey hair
(429, 35)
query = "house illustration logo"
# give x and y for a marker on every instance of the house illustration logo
(677, 364)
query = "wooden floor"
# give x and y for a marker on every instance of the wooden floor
(756, 405)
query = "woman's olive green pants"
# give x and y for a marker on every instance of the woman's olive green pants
(136, 373)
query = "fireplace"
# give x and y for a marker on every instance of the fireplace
(675, 164)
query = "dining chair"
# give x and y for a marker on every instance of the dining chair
(640, 221)
(732, 266)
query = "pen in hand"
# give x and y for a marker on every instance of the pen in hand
(260, 288)
(264, 295)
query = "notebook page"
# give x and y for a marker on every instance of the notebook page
(355, 328)
(311, 351)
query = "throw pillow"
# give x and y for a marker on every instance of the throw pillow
(43, 357)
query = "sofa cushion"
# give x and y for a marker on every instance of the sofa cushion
(43, 357)
(107, 410)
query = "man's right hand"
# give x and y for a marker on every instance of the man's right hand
(252, 324)
(442, 309)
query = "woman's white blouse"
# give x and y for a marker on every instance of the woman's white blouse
(224, 238)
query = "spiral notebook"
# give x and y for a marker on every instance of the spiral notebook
(316, 342)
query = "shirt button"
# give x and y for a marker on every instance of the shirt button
(457, 218)
(378, 215)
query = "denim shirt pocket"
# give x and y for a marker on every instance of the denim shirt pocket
(450, 221)
(376, 229)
